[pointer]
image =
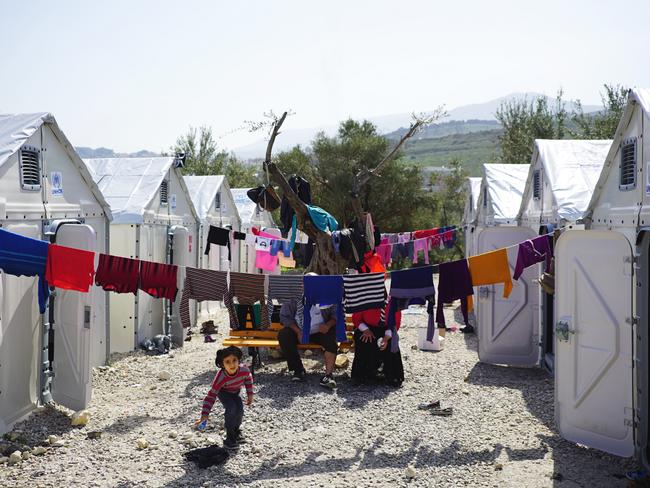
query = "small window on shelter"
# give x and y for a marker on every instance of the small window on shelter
(627, 173)
(217, 201)
(537, 184)
(164, 189)
(30, 168)
(485, 196)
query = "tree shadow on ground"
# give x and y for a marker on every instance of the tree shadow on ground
(378, 455)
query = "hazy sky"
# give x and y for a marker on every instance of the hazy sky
(134, 74)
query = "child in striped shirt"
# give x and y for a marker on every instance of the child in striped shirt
(226, 387)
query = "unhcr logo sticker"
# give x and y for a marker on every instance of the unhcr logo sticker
(56, 179)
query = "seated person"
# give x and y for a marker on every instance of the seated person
(323, 333)
(369, 356)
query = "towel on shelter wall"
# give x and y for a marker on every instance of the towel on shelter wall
(491, 268)
(159, 280)
(117, 274)
(69, 268)
(24, 256)
(200, 285)
(454, 283)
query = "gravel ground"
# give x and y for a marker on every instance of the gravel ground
(502, 432)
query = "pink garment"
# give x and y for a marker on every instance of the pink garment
(421, 245)
(265, 261)
(261, 233)
(404, 237)
(384, 251)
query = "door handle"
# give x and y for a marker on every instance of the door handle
(562, 331)
(484, 292)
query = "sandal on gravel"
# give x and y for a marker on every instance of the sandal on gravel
(442, 412)
(429, 406)
(208, 338)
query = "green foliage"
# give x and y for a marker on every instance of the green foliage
(449, 205)
(396, 199)
(601, 125)
(202, 157)
(525, 121)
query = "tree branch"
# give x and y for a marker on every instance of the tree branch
(274, 133)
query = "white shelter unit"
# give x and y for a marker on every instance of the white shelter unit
(215, 205)
(504, 323)
(473, 191)
(562, 179)
(251, 216)
(153, 220)
(602, 290)
(46, 193)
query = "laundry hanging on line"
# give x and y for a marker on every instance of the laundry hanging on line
(223, 237)
(69, 268)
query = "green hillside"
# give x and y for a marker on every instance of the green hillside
(473, 149)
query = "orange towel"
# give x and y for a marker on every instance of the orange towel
(491, 268)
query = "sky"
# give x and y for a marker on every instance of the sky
(136, 74)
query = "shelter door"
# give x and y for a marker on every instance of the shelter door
(593, 340)
(71, 385)
(506, 330)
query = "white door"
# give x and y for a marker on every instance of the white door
(145, 325)
(505, 325)
(593, 340)
(182, 256)
(71, 385)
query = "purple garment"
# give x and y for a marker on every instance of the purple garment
(455, 283)
(533, 252)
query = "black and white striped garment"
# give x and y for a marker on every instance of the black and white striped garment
(200, 285)
(286, 287)
(364, 292)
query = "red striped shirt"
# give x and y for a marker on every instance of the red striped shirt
(231, 384)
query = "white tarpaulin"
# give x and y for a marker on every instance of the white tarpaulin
(473, 185)
(505, 184)
(16, 129)
(643, 97)
(203, 190)
(129, 184)
(245, 206)
(571, 168)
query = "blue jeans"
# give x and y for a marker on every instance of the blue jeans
(234, 410)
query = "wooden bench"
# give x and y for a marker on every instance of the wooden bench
(254, 338)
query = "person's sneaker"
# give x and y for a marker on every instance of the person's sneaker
(230, 443)
(328, 382)
(240, 439)
(298, 376)
(468, 329)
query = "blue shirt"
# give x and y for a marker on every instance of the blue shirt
(24, 256)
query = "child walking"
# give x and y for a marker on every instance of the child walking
(226, 386)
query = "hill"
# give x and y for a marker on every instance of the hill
(103, 152)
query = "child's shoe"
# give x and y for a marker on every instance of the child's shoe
(240, 438)
(230, 442)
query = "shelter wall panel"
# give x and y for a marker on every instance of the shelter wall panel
(20, 338)
(122, 305)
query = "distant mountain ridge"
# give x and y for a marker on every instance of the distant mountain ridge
(104, 152)
(386, 124)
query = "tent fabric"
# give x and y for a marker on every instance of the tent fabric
(248, 209)
(129, 184)
(571, 168)
(16, 129)
(203, 190)
(505, 184)
(473, 186)
(636, 96)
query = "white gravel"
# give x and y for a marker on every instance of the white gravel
(502, 432)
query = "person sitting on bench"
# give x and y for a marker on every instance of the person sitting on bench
(323, 333)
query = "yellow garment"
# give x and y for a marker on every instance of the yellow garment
(491, 268)
(286, 262)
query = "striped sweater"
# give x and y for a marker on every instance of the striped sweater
(248, 289)
(364, 291)
(231, 384)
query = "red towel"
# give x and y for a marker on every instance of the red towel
(419, 234)
(158, 280)
(118, 274)
(70, 269)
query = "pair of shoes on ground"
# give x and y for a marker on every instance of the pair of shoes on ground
(208, 327)
(468, 329)
(208, 338)
(326, 381)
